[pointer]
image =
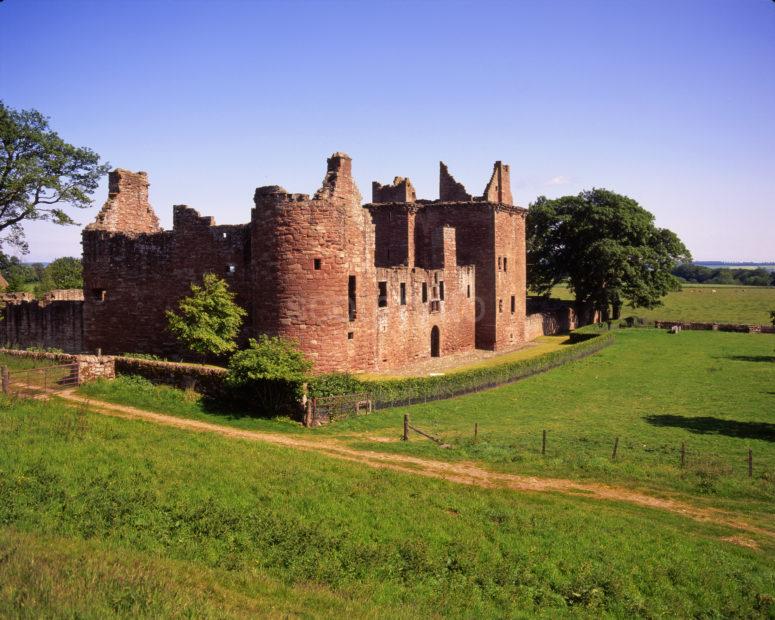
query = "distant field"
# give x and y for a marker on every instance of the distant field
(706, 303)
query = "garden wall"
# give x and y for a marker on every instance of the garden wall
(721, 327)
(204, 379)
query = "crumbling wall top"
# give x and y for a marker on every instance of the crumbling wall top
(499, 188)
(449, 189)
(338, 184)
(401, 190)
(127, 209)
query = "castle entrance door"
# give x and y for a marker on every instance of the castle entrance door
(435, 342)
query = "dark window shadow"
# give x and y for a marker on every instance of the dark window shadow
(702, 425)
(751, 358)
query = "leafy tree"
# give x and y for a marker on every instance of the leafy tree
(208, 321)
(64, 272)
(40, 173)
(606, 247)
(270, 373)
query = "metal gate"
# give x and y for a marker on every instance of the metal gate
(39, 382)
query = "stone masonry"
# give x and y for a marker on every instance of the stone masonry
(360, 287)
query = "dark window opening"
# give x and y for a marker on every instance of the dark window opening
(435, 306)
(231, 269)
(403, 294)
(99, 294)
(500, 305)
(424, 292)
(317, 263)
(513, 304)
(350, 335)
(351, 297)
(435, 277)
(468, 291)
(382, 299)
(441, 290)
(505, 263)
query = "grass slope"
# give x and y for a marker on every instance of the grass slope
(715, 392)
(104, 517)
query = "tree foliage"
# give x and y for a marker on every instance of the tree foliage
(208, 321)
(40, 173)
(66, 272)
(269, 373)
(605, 246)
(700, 274)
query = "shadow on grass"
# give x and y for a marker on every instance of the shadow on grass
(703, 425)
(751, 358)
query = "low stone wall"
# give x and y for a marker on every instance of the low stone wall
(90, 367)
(547, 317)
(721, 327)
(204, 379)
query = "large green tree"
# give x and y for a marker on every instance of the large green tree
(40, 174)
(66, 272)
(606, 247)
(207, 321)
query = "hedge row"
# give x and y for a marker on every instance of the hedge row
(398, 392)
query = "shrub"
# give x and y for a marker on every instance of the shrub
(269, 373)
(143, 356)
(334, 384)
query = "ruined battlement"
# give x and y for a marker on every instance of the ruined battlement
(127, 209)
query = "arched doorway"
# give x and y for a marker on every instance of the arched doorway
(435, 342)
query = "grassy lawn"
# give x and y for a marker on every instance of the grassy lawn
(713, 391)
(24, 363)
(707, 303)
(103, 517)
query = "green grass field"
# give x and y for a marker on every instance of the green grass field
(103, 517)
(15, 362)
(713, 391)
(707, 303)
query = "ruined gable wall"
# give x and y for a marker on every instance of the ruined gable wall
(143, 275)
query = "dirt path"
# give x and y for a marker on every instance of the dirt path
(462, 473)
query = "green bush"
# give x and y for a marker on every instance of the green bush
(270, 374)
(334, 384)
(143, 356)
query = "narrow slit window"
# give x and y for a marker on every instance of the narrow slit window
(500, 263)
(441, 290)
(500, 305)
(403, 294)
(317, 263)
(382, 299)
(505, 263)
(351, 297)
(513, 304)
(424, 292)
(468, 291)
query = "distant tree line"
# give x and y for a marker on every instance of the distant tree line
(40, 278)
(697, 274)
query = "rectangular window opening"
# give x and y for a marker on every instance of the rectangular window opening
(382, 299)
(317, 263)
(424, 292)
(513, 304)
(403, 294)
(500, 305)
(99, 294)
(350, 335)
(505, 263)
(500, 263)
(351, 297)
(441, 290)
(231, 269)
(468, 291)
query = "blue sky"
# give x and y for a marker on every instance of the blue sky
(669, 102)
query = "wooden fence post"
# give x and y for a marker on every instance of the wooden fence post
(6, 380)
(750, 463)
(543, 443)
(616, 445)
(683, 454)
(406, 428)
(476, 431)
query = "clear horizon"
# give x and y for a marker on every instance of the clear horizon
(669, 103)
